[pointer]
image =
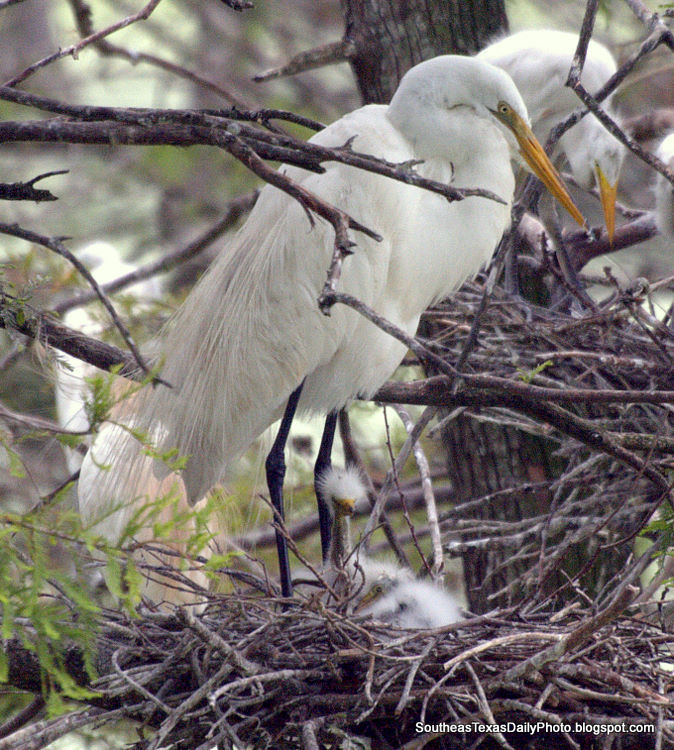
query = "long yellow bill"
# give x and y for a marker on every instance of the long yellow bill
(607, 195)
(534, 155)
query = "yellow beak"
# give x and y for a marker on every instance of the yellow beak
(607, 195)
(345, 505)
(372, 595)
(532, 152)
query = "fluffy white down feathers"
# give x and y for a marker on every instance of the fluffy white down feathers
(388, 592)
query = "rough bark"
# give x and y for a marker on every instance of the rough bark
(391, 36)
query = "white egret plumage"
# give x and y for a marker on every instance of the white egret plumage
(344, 490)
(71, 391)
(388, 591)
(409, 604)
(250, 343)
(664, 190)
(538, 61)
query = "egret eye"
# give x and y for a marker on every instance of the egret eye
(503, 108)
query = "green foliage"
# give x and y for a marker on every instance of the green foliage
(44, 600)
(14, 462)
(663, 527)
(528, 375)
(101, 398)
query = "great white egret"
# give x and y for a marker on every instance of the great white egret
(391, 593)
(250, 345)
(538, 61)
(344, 489)
(664, 191)
(409, 604)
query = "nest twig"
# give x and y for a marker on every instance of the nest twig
(247, 673)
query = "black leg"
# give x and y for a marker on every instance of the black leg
(323, 463)
(275, 467)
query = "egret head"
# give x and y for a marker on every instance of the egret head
(382, 586)
(343, 487)
(447, 88)
(535, 157)
(595, 157)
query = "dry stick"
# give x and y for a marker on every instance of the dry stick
(75, 49)
(556, 133)
(573, 81)
(409, 681)
(610, 678)
(308, 736)
(341, 221)
(318, 57)
(194, 699)
(26, 191)
(437, 391)
(557, 417)
(232, 212)
(55, 245)
(650, 20)
(391, 475)
(43, 733)
(127, 679)
(666, 573)
(429, 496)
(485, 646)
(483, 704)
(612, 126)
(38, 424)
(395, 475)
(39, 326)
(578, 61)
(191, 127)
(569, 642)
(22, 717)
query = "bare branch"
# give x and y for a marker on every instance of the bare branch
(328, 54)
(56, 245)
(105, 47)
(26, 191)
(232, 212)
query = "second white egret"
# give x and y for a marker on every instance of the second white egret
(538, 61)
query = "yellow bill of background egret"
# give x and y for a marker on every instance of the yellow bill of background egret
(250, 343)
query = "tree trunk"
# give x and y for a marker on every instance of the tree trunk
(390, 36)
(482, 459)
